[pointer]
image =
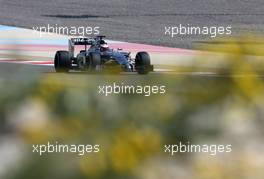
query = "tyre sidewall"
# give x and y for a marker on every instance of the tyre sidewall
(142, 62)
(62, 61)
(95, 60)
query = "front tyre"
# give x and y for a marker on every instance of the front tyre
(95, 60)
(62, 61)
(142, 63)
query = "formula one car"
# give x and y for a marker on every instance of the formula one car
(99, 57)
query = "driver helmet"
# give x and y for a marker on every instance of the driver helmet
(103, 45)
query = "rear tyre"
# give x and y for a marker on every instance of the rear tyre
(62, 61)
(142, 63)
(95, 60)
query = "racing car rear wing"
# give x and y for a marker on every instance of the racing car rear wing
(82, 41)
(78, 41)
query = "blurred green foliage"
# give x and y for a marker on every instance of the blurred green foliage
(132, 129)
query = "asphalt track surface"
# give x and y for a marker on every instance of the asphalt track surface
(140, 21)
(25, 46)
